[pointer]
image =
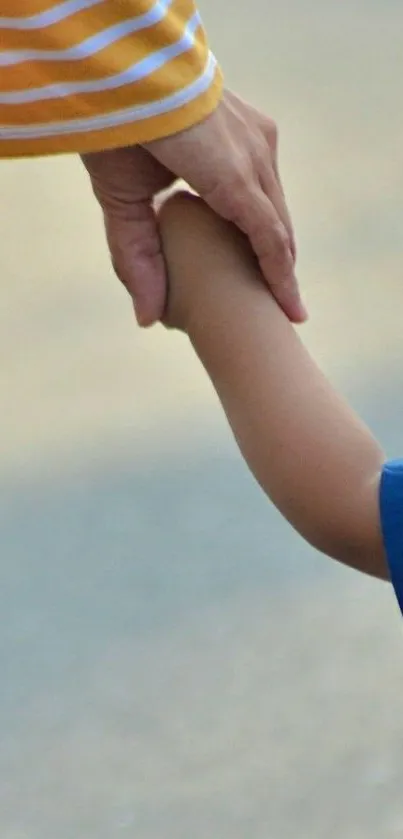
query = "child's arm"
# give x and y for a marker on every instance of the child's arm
(310, 453)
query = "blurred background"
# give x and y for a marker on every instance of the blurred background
(174, 661)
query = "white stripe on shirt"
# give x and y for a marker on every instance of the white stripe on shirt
(117, 118)
(91, 45)
(133, 74)
(52, 16)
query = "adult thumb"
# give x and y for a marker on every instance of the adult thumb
(124, 182)
(136, 254)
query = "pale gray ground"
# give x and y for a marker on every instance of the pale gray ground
(174, 662)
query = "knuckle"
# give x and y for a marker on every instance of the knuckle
(280, 245)
(149, 247)
(240, 212)
(241, 173)
(271, 132)
(261, 151)
(228, 196)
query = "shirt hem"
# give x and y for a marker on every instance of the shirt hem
(134, 133)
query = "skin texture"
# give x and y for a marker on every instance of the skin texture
(230, 159)
(310, 453)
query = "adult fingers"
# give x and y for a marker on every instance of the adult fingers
(136, 255)
(124, 182)
(256, 216)
(274, 184)
(271, 185)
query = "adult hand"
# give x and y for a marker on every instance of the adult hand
(230, 159)
(125, 182)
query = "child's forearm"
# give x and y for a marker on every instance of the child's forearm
(307, 449)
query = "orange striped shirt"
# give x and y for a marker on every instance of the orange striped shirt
(85, 75)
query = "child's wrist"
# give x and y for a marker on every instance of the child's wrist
(182, 288)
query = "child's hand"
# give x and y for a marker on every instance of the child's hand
(193, 239)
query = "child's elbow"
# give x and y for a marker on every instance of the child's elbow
(354, 550)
